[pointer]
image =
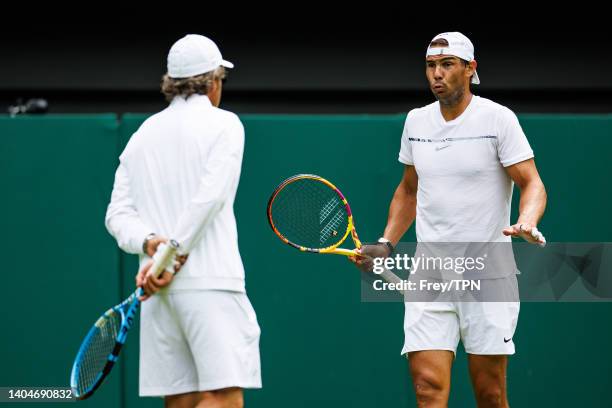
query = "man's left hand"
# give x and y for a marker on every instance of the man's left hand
(526, 231)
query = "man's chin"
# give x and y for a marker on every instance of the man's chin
(441, 98)
(439, 95)
(448, 98)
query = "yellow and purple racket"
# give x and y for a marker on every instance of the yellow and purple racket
(311, 214)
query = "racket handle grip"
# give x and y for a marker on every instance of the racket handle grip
(161, 260)
(390, 276)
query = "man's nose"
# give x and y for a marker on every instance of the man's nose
(438, 72)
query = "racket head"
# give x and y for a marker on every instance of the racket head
(101, 347)
(311, 214)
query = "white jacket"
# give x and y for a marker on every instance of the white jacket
(178, 177)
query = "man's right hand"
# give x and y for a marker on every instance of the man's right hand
(153, 243)
(365, 260)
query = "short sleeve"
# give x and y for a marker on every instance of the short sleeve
(512, 144)
(405, 154)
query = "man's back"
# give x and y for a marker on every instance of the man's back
(186, 157)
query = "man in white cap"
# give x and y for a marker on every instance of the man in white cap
(177, 178)
(462, 154)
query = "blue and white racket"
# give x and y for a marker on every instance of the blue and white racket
(102, 345)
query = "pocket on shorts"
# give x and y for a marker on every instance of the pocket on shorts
(251, 326)
(413, 311)
(249, 346)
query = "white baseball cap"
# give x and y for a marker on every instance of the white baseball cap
(458, 45)
(193, 55)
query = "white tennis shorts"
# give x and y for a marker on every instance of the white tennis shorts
(199, 340)
(485, 328)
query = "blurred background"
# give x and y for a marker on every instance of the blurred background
(320, 88)
(306, 58)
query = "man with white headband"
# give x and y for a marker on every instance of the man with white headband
(177, 178)
(462, 155)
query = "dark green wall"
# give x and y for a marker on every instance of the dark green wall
(320, 345)
(60, 266)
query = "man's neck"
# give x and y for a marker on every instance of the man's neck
(453, 111)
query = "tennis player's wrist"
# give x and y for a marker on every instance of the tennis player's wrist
(145, 242)
(388, 244)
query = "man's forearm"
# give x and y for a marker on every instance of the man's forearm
(402, 213)
(122, 219)
(532, 203)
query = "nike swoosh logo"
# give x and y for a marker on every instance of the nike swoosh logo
(442, 147)
(505, 341)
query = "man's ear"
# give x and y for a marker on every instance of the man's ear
(473, 64)
(213, 87)
(214, 84)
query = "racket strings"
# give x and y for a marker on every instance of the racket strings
(97, 350)
(331, 228)
(309, 213)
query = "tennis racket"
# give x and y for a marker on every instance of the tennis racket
(102, 344)
(309, 213)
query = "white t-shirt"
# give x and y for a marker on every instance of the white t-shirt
(464, 194)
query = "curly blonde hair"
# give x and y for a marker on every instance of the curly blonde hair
(185, 87)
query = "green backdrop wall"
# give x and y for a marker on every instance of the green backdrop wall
(320, 345)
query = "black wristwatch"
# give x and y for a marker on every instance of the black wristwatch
(388, 243)
(146, 242)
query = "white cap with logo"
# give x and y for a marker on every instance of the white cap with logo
(194, 55)
(458, 45)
